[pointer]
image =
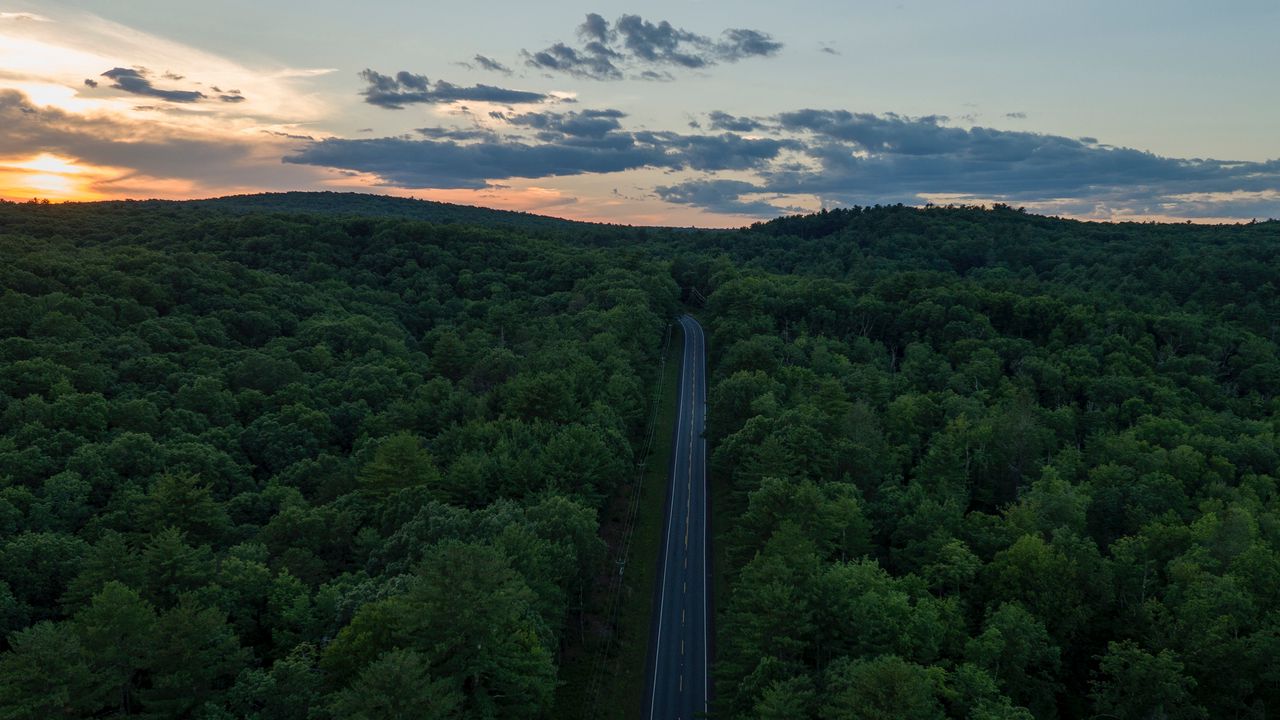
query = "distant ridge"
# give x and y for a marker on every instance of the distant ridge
(361, 204)
(351, 203)
(824, 223)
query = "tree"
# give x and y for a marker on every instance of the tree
(580, 460)
(39, 566)
(399, 462)
(771, 612)
(45, 674)
(195, 657)
(954, 569)
(174, 567)
(882, 688)
(787, 699)
(1016, 649)
(118, 633)
(1133, 684)
(182, 501)
(471, 618)
(449, 355)
(287, 690)
(398, 686)
(1044, 580)
(110, 558)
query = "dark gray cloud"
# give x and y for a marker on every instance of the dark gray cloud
(450, 163)
(290, 136)
(1016, 115)
(722, 196)
(585, 123)
(406, 88)
(631, 43)
(136, 82)
(724, 121)
(440, 133)
(594, 61)
(726, 151)
(655, 76)
(90, 82)
(488, 63)
(739, 43)
(889, 132)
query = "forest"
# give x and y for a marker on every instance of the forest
(987, 465)
(297, 466)
(313, 456)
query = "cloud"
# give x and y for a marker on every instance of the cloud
(832, 157)
(135, 82)
(47, 60)
(90, 82)
(1016, 116)
(405, 88)
(739, 43)
(140, 158)
(102, 141)
(585, 123)
(452, 163)
(449, 164)
(607, 50)
(303, 72)
(724, 121)
(888, 132)
(488, 63)
(722, 196)
(23, 17)
(439, 133)
(861, 158)
(726, 151)
(655, 76)
(594, 61)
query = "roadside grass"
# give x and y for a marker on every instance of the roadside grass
(622, 689)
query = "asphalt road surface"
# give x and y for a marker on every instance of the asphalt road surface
(679, 684)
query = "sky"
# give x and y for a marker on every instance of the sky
(696, 112)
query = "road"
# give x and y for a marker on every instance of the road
(679, 683)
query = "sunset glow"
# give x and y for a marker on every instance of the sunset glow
(50, 177)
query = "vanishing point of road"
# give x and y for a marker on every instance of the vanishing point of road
(678, 677)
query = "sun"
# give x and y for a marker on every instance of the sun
(50, 177)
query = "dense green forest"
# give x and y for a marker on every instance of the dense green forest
(332, 457)
(300, 466)
(987, 465)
